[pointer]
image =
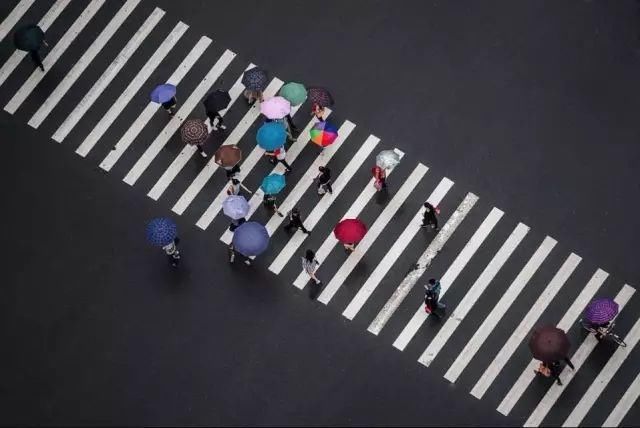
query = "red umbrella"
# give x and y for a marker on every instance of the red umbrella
(350, 231)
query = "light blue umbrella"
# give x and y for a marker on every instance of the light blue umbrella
(271, 136)
(235, 206)
(250, 239)
(161, 231)
(273, 183)
(163, 93)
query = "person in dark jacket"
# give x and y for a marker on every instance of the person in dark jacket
(430, 218)
(432, 297)
(295, 221)
(324, 180)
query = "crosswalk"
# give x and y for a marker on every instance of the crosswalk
(500, 278)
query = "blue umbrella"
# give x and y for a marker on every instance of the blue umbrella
(271, 135)
(250, 239)
(273, 183)
(163, 93)
(161, 231)
(235, 207)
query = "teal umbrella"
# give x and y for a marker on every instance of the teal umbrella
(271, 136)
(294, 92)
(273, 183)
(28, 38)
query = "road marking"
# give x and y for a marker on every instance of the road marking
(106, 78)
(52, 14)
(505, 302)
(53, 55)
(501, 359)
(14, 16)
(420, 316)
(372, 233)
(81, 65)
(141, 121)
(394, 253)
(624, 405)
(174, 124)
(211, 167)
(569, 319)
(423, 263)
(474, 293)
(356, 208)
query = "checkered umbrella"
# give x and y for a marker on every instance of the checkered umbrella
(194, 131)
(320, 96)
(255, 79)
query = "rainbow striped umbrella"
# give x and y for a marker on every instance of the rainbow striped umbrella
(324, 133)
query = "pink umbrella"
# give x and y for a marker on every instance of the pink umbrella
(275, 108)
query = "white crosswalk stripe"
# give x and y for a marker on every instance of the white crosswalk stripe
(14, 16)
(624, 405)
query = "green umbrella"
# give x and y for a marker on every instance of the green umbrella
(294, 92)
(28, 38)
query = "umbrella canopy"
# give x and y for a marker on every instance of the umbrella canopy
(235, 206)
(217, 100)
(227, 156)
(549, 343)
(273, 184)
(255, 79)
(350, 231)
(600, 311)
(387, 159)
(163, 93)
(324, 133)
(28, 38)
(271, 135)
(320, 96)
(250, 239)
(194, 131)
(294, 92)
(161, 231)
(275, 108)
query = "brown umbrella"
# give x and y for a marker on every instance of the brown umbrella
(194, 131)
(549, 343)
(228, 155)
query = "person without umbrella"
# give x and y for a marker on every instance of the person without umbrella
(295, 221)
(310, 266)
(431, 298)
(270, 203)
(430, 218)
(324, 180)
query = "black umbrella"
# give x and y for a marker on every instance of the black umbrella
(549, 344)
(320, 96)
(28, 38)
(255, 79)
(217, 101)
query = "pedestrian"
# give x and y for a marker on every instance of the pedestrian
(295, 221)
(35, 55)
(171, 106)
(279, 155)
(430, 218)
(270, 203)
(569, 363)
(231, 171)
(234, 187)
(317, 111)
(172, 252)
(232, 256)
(349, 247)
(200, 148)
(324, 180)
(215, 119)
(432, 297)
(235, 223)
(310, 265)
(549, 370)
(380, 177)
(293, 129)
(252, 96)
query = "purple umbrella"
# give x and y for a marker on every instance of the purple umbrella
(250, 239)
(235, 207)
(600, 311)
(163, 93)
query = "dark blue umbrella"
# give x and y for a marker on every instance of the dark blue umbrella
(250, 239)
(600, 311)
(161, 231)
(255, 79)
(28, 38)
(163, 93)
(271, 135)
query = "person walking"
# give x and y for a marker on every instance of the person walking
(235, 223)
(551, 369)
(295, 221)
(349, 247)
(171, 106)
(279, 155)
(35, 55)
(430, 218)
(231, 171)
(324, 180)
(200, 148)
(432, 297)
(232, 256)
(172, 252)
(310, 266)
(270, 203)
(30, 38)
(252, 96)
(317, 111)
(380, 177)
(234, 187)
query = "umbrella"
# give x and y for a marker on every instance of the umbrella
(228, 155)
(600, 311)
(217, 100)
(194, 131)
(549, 344)
(294, 92)
(161, 231)
(320, 96)
(255, 79)
(273, 183)
(235, 207)
(275, 108)
(163, 93)
(28, 38)
(250, 238)
(324, 133)
(350, 230)
(271, 135)
(387, 159)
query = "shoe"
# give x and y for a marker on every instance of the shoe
(319, 283)
(214, 128)
(203, 154)
(427, 310)
(247, 262)
(423, 225)
(223, 127)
